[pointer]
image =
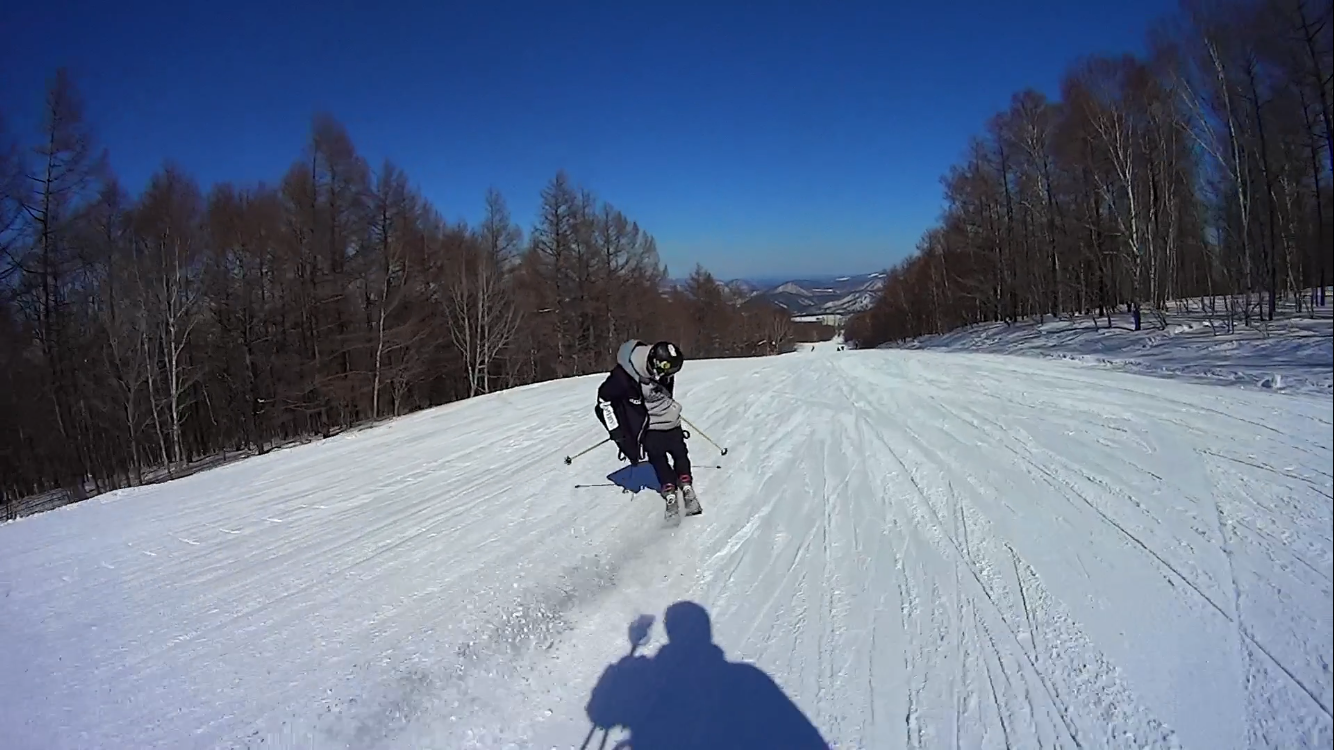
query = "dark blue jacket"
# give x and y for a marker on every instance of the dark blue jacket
(621, 393)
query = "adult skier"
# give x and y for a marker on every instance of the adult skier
(637, 406)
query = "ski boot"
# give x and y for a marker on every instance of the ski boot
(688, 496)
(672, 513)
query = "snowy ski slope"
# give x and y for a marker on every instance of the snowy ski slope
(920, 549)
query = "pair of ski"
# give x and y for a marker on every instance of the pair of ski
(675, 500)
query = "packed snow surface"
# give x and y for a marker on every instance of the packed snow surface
(911, 549)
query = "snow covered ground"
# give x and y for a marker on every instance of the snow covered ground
(919, 549)
(1293, 354)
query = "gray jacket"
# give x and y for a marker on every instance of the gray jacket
(664, 413)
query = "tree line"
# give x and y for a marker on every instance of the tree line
(142, 332)
(1202, 168)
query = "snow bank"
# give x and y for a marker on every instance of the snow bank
(1292, 354)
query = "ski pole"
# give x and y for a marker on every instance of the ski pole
(570, 459)
(589, 736)
(701, 434)
(624, 491)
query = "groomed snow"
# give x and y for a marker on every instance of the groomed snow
(920, 549)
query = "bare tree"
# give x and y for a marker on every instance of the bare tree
(392, 226)
(125, 360)
(482, 312)
(61, 180)
(168, 229)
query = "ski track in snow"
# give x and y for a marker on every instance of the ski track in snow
(924, 550)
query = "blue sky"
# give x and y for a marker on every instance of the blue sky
(759, 138)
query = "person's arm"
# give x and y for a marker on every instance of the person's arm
(613, 411)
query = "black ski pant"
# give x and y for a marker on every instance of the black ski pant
(661, 444)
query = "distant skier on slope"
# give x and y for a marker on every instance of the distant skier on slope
(637, 406)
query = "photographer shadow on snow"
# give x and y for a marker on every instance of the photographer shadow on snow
(635, 478)
(688, 695)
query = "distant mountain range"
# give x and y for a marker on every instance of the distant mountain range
(817, 295)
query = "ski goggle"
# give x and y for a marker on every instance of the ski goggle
(663, 367)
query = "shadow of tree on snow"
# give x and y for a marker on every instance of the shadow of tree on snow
(688, 695)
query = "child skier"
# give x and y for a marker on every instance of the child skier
(637, 407)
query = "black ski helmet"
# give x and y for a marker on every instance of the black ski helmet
(665, 359)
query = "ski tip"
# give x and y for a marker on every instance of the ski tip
(568, 460)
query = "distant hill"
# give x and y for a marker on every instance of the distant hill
(818, 295)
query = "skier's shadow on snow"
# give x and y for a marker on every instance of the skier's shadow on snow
(635, 478)
(688, 695)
